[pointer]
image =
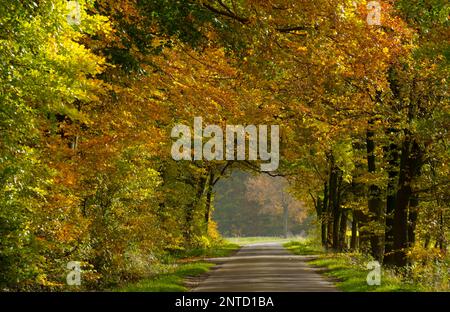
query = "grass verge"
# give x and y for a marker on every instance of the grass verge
(349, 270)
(170, 275)
(223, 250)
(304, 247)
(171, 280)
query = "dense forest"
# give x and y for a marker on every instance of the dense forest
(90, 90)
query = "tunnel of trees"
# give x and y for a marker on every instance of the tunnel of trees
(90, 91)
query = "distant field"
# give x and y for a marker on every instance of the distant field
(262, 239)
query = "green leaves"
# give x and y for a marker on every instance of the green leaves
(44, 71)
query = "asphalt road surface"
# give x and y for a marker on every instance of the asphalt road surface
(264, 267)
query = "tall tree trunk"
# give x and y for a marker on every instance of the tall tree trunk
(410, 167)
(401, 208)
(286, 219)
(191, 208)
(416, 169)
(335, 205)
(209, 193)
(410, 163)
(364, 234)
(329, 230)
(285, 214)
(441, 240)
(331, 215)
(354, 239)
(332, 185)
(324, 218)
(393, 156)
(343, 231)
(375, 203)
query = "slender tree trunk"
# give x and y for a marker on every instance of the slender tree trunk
(209, 193)
(442, 241)
(343, 231)
(334, 196)
(354, 239)
(416, 169)
(393, 157)
(208, 206)
(332, 185)
(364, 233)
(324, 215)
(191, 208)
(375, 203)
(332, 234)
(286, 219)
(401, 212)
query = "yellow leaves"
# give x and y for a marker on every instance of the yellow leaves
(217, 105)
(180, 84)
(157, 94)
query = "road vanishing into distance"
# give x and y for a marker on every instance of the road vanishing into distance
(263, 267)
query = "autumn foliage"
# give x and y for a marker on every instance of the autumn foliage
(90, 92)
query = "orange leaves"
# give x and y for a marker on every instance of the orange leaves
(273, 196)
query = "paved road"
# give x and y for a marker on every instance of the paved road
(264, 267)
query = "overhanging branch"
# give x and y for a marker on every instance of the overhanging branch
(226, 11)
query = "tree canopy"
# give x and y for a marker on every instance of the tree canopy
(90, 90)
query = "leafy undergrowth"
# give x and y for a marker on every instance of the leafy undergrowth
(349, 270)
(169, 274)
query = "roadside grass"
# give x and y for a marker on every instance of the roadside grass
(169, 281)
(349, 270)
(260, 239)
(304, 247)
(224, 249)
(170, 273)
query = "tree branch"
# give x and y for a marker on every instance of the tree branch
(227, 13)
(293, 28)
(244, 20)
(229, 163)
